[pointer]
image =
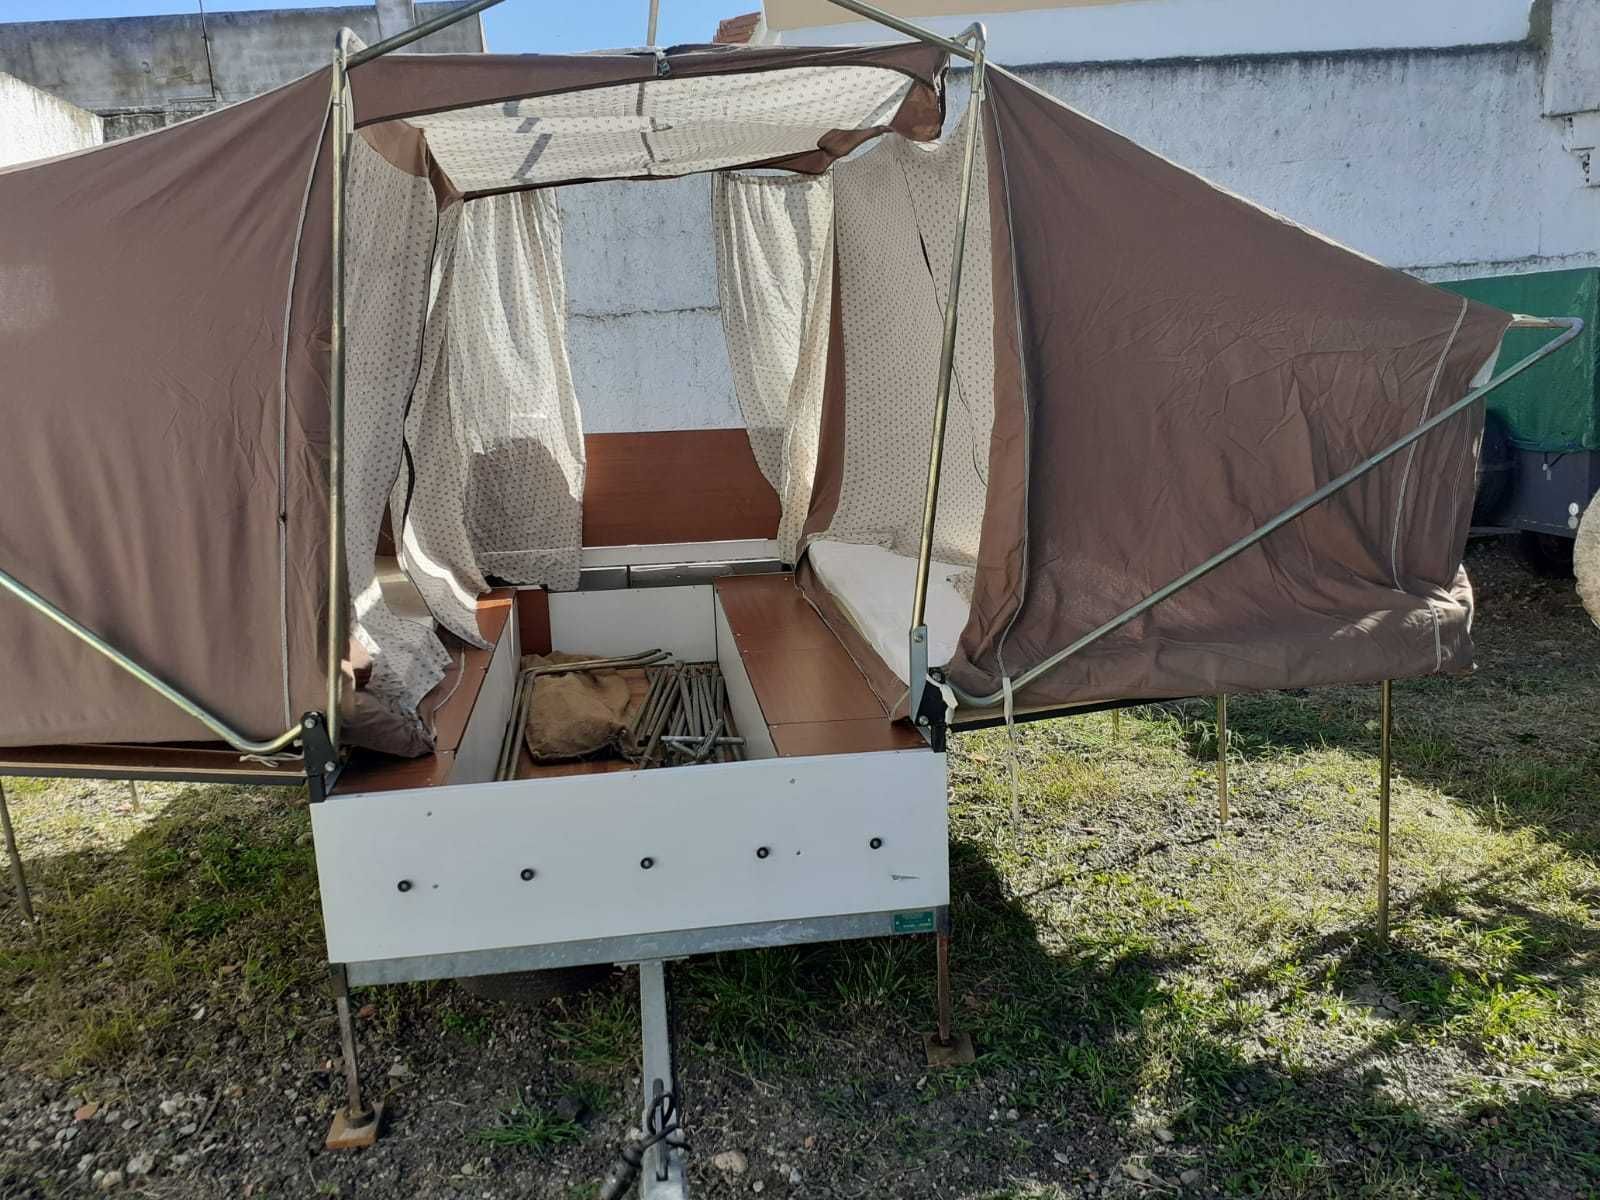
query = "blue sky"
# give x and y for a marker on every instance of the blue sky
(547, 26)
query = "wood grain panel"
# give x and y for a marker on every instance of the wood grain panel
(845, 737)
(770, 612)
(677, 485)
(815, 684)
(533, 620)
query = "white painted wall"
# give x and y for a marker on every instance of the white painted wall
(1438, 161)
(643, 327)
(34, 124)
(1144, 30)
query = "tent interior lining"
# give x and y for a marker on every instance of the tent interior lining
(468, 356)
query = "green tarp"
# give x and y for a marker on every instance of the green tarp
(1554, 405)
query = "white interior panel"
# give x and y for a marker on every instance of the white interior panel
(479, 751)
(461, 852)
(742, 700)
(629, 620)
(875, 588)
(680, 552)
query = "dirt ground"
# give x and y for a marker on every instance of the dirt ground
(1160, 1008)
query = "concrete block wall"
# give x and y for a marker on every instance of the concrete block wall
(141, 73)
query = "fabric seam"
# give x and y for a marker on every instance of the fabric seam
(283, 417)
(1027, 407)
(1411, 452)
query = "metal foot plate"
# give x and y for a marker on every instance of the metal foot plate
(958, 1051)
(342, 1135)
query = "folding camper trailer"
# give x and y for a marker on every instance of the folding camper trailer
(1034, 421)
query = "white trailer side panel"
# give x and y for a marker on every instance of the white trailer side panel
(460, 852)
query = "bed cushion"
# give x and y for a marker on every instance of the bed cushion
(874, 588)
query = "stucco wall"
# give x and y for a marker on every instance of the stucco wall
(143, 72)
(1439, 162)
(34, 124)
(644, 331)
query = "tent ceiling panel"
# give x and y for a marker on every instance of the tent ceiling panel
(665, 127)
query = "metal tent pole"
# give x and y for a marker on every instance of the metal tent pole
(1222, 758)
(356, 1124)
(338, 628)
(18, 877)
(941, 402)
(417, 32)
(93, 640)
(900, 25)
(944, 1045)
(1571, 327)
(655, 15)
(1385, 767)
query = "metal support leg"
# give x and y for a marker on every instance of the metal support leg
(945, 1047)
(1116, 724)
(662, 1176)
(1385, 764)
(18, 878)
(1222, 758)
(355, 1125)
(133, 795)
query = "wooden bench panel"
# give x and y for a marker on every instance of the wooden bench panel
(812, 695)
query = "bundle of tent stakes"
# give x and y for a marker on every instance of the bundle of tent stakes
(568, 706)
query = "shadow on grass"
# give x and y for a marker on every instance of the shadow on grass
(1095, 1039)
(1094, 1034)
(210, 906)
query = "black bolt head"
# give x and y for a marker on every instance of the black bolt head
(404, 885)
(527, 874)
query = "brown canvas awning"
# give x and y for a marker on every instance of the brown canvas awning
(164, 332)
(1173, 367)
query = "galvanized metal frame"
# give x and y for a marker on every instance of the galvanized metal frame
(663, 1173)
(340, 129)
(918, 659)
(640, 947)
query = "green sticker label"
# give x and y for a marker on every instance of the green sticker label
(914, 922)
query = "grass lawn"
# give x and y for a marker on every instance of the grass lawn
(1160, 1007)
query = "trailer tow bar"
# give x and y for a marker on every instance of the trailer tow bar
(658, 1155)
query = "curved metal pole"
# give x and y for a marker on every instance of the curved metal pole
(1572, 326)
(214, 723)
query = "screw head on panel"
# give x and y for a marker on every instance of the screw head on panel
(762, 851)
(527, 874)
(647, 863)
(876, 843)
(404, 885)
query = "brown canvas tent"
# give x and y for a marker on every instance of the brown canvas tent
(1146, 368)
